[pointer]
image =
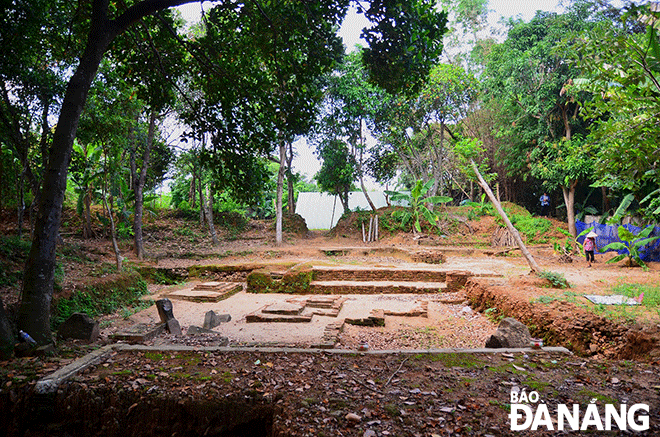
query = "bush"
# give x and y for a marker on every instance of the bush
(104, 298)
(557, 280)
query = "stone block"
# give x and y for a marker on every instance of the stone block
(165, 310)
(196, 330)
(510, 334)
(79, 326)
(213, 319)
(141, 333)
(174, 327)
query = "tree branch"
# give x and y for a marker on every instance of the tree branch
(144, 9)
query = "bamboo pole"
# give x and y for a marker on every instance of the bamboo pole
(516, 236)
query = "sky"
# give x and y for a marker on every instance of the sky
(305, 161)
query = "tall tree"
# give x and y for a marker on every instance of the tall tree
(418, 129)
(620, 65)
(34, 56)
(408, 43)
(350, 107)
(526, 81)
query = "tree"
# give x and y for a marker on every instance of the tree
(418, 129)
(350, 106)
(527, 81)
(34, 312)
(563, 164)
(34, 57)
(337, 172)
(620, 64)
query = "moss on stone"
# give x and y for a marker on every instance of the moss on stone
(260, 281)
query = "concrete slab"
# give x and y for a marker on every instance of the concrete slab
(141, 332)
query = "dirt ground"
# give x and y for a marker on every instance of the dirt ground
(356, 394)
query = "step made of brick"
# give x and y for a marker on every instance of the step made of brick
(323, 273)
(376, 287)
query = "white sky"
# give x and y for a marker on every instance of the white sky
(305, 161)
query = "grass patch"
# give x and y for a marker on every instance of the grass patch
(567, 296)
(648, 309)
(651, 293)
(456, 360)
(586, 396)
(13, 253)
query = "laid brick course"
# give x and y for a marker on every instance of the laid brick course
(377, 274)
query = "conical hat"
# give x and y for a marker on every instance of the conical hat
(592, 234)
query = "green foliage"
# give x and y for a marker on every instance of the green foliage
(557, 280)
(482, 207)
(471, 150)
(338, 170)
(631, 244)
(417, 201)
(534, 229)
(390, 222)
(561, 163)
(619, 63)
(13, 252)
(101, 299)
(567, 296)
(404, 42)
(493, 314)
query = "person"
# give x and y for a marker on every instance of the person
(545, 204)
(590, 247)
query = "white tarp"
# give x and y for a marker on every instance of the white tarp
(322, 210)
(615, 299)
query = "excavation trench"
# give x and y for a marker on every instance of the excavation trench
(263, 393)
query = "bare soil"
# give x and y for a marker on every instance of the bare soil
(359, 394)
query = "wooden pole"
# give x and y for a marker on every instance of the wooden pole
(371, 223)
(516, 236)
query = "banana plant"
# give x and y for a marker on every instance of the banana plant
(631, 244)
(417, 202)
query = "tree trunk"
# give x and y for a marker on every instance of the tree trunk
(366, 195)
(87, 224)
(343, 198)
(191, 191)
(113, 232)
(21, 203)
(569, 199)
(528, 256)
(139, 180)
(278, 196)
(291, 199)
(39, 274)
(200, 193)
(6, 335)
(209, 216)
(605, 203)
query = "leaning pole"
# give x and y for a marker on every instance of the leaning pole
(516, 236)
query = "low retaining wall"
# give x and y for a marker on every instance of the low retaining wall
(562, 323)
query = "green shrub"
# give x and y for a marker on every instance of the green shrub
(13, 253)
(557, 280)
(105, 298)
